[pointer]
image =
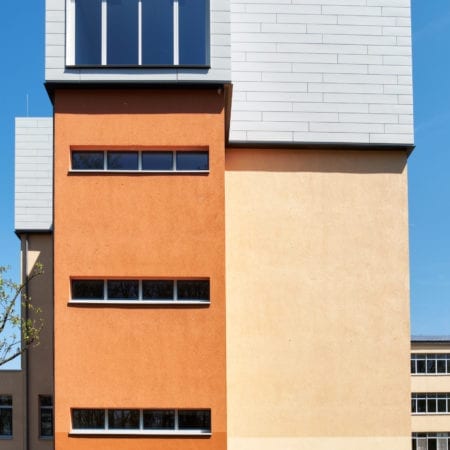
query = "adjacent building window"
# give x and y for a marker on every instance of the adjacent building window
(149, 291)
(46, 416)
(430, 363)
(431, 441)
(430, 403)
(145, 161)
(146, 421)
(138, 32)
(6, 425)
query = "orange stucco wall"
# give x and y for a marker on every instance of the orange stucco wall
(137, 226)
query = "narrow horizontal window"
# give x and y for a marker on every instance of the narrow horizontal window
(144, 291)
(152, 421)
(430, 403)
(142, 161)
(430, 363)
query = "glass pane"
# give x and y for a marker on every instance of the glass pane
(199, 419)
(46, 400)
(122, 32)
(421, 444)
(432, 444)
(192, 161)
(159, 419)
(193, 290)
(157, 290)
(5, 421)
(413, 405)
(420, 366)
(157, 161)
(88, 418)
(442, 444)
(123, 419)
(87, 160)
(46, 422)
(413, 366)
(193, 31)
(157, 32)
(448, 366)
(421, 405)
(414, 444)
(431, 366)
(88, 45)
(123, 289)
(87, 289)
(5, 400)
(431, 405)
(442, 405)
(441, 366)
(122, 161)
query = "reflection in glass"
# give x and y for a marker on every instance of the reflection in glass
(123, 419)
(88, 419)
(87, 289)
(157, 160)
(193, 289)
(199, 419)
(88, 47)
(192, 161)
(122, 160)
(122, 32)
(159, 419)
(157, 290)
(87, 160)
(123, 289)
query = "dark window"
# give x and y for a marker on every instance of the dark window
(46, 416)
(442, 404)
(122, 160)
(193, 31)
(6, 426)
(88, 419)
(413, 366)
(87, 289)
(413, 405)
(441, 365)
(414, 446)
(123, 419)
(431, 366)
(431, 403)
(421, 405)
(157, 32)
(88, 32)
(199, 419)
(122, 32)
(157, 160)
(123, 289)
(87, 160)
(420, 366)
(192, 161)
(193, 290)
(432, 444)
(157, 290)
(159, 419)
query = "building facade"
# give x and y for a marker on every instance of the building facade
(430, 392)
(226, 206)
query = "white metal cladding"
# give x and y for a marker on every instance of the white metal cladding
(321, 71)
(34, 173)
(55, 52)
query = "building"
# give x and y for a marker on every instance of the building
(227, 219)
(430, 392)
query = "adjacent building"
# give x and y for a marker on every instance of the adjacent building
(222, 196)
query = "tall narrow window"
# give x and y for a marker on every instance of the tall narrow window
(46, 416)
(88, 42)
(6, 425)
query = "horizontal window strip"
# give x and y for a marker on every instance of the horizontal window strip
(158, 161)
(431, 441)
(430, 403)
(145, 421)
(140, 290)
(430, 363)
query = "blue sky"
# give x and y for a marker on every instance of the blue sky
(22, 49)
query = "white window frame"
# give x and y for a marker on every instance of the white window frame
(415, 397)
(141, 301)
(70, 33)
(438, 436)
(141, 431)
(174, 168)
(430, 357)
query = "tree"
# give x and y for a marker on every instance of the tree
(18, 331)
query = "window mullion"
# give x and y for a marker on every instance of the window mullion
(104, 32)
(176, 33)
(106, 419)
(176, 420)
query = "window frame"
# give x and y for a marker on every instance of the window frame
(426, 436)
(140, 301)
(428, 361)
(48, 408)
(70, 60)
(428, 399)
(9, 408)
(140, 153)
(141, 430)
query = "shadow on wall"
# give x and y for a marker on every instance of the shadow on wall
(326, 161)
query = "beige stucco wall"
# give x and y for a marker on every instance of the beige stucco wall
(40, 358)
(430, 383)
(317, 300)
(433, 423)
